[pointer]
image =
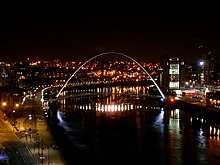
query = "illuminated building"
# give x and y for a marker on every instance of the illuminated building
(213, 99)
(10, 98)
(173, 72)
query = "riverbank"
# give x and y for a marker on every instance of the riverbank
(198, 109)
(68, 144)
(31, 128)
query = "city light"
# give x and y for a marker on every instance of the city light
(201, 63)
(4, 104)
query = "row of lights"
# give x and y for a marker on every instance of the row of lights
(215, 103)
(4, 104)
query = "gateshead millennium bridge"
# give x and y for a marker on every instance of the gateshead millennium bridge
(107, 53)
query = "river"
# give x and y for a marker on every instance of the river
(124, 130)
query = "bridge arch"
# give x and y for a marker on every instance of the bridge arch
(117, 53)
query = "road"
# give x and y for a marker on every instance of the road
(13, 147)
(31, 142)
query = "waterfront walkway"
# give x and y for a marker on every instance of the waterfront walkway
(37, 137)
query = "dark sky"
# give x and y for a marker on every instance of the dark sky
(80, 33)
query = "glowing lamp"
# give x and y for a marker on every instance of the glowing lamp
(171, 100)
(4, 104)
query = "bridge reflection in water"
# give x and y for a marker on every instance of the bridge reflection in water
(110, 100)
(115, 128)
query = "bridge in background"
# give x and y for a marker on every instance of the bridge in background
(72, 91)
(108, 53)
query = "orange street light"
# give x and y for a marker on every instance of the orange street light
(4, 104)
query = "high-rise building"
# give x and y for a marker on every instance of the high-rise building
(209, 68)
(173, 72)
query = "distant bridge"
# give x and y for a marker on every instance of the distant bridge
(107, 53)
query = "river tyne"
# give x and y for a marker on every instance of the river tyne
(120, 128)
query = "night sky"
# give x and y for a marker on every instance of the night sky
(79, 33)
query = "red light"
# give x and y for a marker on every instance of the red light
(172, 100)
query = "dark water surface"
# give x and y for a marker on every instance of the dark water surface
(119, 133)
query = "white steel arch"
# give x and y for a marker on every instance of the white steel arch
(121, 54)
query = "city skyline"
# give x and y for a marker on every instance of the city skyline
(77, 34)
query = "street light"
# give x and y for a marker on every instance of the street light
(202, 76)
(13, 112)
(4, 104)
(16, 105)
(201, 63)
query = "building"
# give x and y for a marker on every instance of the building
(206, 68)
(213, 99)
(11, 99)
(173, 72)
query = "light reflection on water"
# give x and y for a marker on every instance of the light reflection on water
(128, 131)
